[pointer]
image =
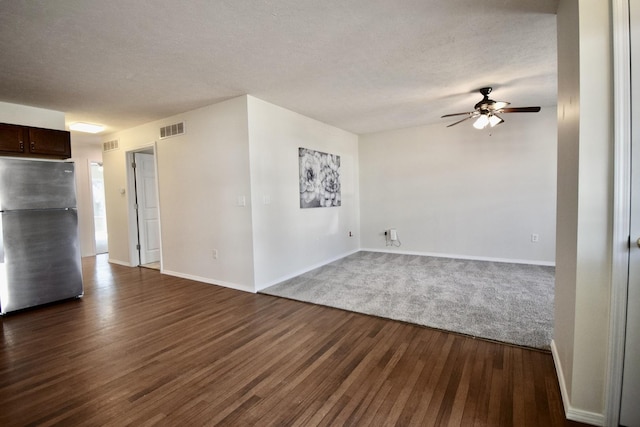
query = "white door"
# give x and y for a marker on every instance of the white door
(630, 408)
(147, 200)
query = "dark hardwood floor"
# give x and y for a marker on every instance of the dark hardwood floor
(141, 348)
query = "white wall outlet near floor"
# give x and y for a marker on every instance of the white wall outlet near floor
(535, 238)
(214, 254)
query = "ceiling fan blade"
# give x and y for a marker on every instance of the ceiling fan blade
(457, 114)
(520, 110)
(460, 121)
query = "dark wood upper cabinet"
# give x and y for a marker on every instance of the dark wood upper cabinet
(28, 141)
(50, 142)
(12, 139)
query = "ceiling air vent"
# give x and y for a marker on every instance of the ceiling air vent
(110, 145)
(172, 130)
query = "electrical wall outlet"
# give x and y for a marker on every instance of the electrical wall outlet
(535, 238)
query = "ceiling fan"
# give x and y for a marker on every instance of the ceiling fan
(486, 111)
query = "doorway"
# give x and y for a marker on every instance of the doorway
(99, 212)
(144, 217)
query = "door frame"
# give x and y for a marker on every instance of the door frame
(621, 209)
(134, 253)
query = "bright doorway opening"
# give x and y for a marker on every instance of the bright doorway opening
(99, 210)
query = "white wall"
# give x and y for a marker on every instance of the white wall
(585, 200)
(241, 149)
(115, 185)
(200, 176)
(289, 240)
(85, 148)
(462, 192)
(31, 116)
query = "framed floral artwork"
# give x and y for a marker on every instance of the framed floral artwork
(319, 179)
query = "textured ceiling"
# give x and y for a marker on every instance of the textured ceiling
(361, 65)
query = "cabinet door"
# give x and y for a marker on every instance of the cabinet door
(50, 142)
(11, 139)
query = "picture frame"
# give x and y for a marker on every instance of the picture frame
(319, 184)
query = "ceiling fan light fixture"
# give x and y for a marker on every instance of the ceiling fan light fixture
(482, 122)
(495, 120)
(499, 105)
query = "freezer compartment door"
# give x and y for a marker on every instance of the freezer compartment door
(41, 258)
(33, 184)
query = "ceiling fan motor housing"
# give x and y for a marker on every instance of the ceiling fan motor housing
(486, 104)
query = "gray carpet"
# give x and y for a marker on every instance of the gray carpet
(511, 303)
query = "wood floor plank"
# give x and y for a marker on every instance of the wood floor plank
(462, 390)
(142, 348)
(518, 412)
(361, 403)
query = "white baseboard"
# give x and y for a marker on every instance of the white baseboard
(209, 281)
(302, 271)
(194, 278)
(572, 413)
(237, 286)
(454, 256)
(118, 262)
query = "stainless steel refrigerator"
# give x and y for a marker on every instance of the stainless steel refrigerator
(39, 249)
